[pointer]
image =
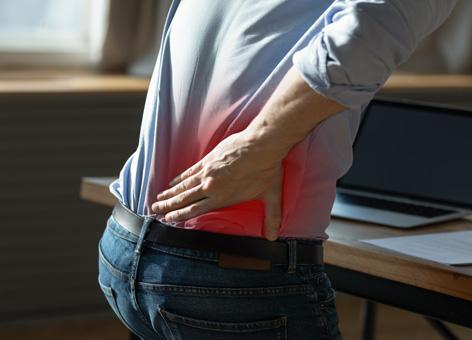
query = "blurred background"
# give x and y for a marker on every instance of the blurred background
(73, 81)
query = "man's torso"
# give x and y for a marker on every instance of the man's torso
(221, 60)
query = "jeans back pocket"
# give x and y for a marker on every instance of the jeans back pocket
(184, 327)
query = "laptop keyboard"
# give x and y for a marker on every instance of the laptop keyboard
(405, 208)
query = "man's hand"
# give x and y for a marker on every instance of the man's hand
(236, 170)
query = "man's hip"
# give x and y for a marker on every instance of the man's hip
(161, 291)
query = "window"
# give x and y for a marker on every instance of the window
(50, 32)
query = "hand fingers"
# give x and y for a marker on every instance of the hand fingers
(181, 187)
(190, 211)
(181, 200)
(273, 210)
(187, 173)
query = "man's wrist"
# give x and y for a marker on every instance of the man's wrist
(267, 141)
(293, 110)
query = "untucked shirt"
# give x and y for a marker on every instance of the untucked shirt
(219, 63)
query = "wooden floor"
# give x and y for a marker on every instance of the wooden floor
(392, 324)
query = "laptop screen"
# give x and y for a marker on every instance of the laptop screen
(414, 151)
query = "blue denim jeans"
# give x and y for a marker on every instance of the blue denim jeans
(166, 292)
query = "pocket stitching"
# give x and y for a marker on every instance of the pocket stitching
(279, 323)
(114, 271)
(324, 306)
(300, 289)
(329, 300)
(316, 276)
(108, 290)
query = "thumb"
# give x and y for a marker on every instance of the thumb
(273, 209)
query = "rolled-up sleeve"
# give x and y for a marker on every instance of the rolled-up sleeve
(362, 42)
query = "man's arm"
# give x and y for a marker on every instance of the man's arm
(344, 66)
(363, 42)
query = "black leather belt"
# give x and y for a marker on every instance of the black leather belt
(234, 251)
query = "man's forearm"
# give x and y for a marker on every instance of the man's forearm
(292, 111)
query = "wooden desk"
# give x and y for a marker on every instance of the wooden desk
(61, 82)
(442, 89)
(380, 275)
(416, 81)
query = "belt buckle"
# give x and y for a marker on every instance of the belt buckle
(226, 260)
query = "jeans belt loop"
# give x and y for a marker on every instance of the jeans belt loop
(292, 255)
(136, 259)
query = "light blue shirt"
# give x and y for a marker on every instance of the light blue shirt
(221, 60)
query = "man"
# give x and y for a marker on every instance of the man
(249, 121)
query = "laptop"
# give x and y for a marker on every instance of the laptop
(412, 165)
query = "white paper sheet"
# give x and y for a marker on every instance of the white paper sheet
(452, 248)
